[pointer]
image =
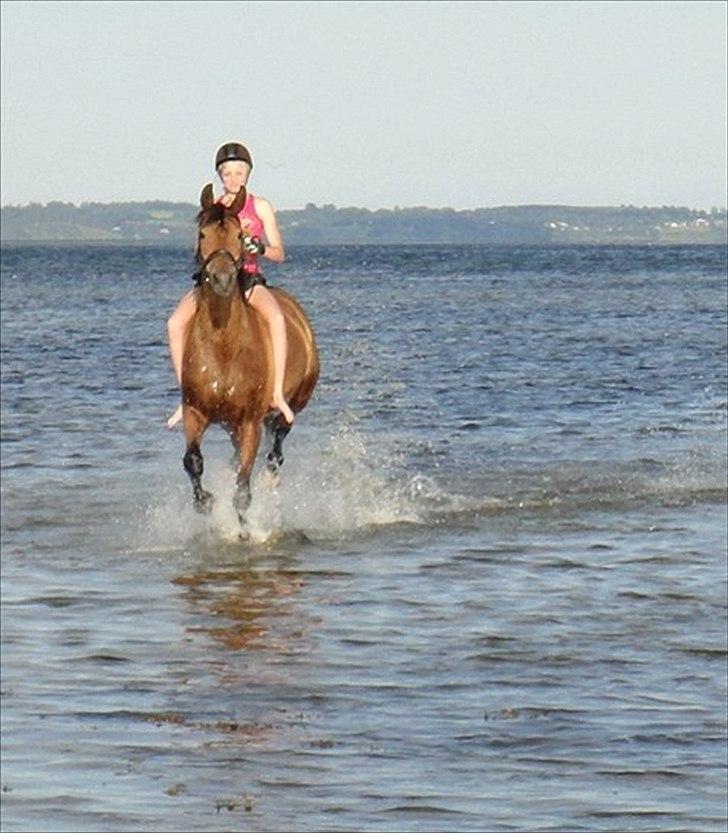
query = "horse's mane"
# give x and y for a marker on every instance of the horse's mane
(214, 214)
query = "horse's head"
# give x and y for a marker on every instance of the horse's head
(219, 241)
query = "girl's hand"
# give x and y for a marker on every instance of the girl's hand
(253, 245)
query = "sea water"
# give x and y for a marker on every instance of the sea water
(488, 595)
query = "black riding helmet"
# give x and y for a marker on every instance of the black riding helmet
(233, 152)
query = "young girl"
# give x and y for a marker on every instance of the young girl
(257, 218)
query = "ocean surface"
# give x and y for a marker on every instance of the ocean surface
(488, 595)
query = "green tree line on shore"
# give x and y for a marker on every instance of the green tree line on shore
(174, 223)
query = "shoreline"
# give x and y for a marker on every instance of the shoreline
(176, 244)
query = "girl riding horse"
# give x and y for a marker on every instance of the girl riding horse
(227, 370)
(234, 163)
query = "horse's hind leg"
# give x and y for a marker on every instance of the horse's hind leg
(195, 425)
(248, 441)
(278, 428)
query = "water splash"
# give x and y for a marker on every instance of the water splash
(331, 487)
(346, 483)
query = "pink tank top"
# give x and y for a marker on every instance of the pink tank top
(253, 225)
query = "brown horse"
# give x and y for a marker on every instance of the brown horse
(227, 366)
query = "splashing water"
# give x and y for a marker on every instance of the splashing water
(330, 487)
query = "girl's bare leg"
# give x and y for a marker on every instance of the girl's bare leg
(177, 325)
(265, 303)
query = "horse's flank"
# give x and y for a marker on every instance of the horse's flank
(302, 367)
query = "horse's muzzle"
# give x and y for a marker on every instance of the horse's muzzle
(221, 273)
(222, 284)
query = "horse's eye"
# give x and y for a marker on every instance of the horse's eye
(202, 234)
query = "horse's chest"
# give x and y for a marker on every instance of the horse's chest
(222, 378)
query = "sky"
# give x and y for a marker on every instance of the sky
(368, 104)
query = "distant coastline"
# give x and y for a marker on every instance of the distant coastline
(174, 223)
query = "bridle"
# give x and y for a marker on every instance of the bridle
(201, 273)
(246, 280)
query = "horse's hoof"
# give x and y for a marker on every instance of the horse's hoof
(204, 503)
(271, 478)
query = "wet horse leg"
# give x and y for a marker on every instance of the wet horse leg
(195, 425)
(278, 429)
(247, 441)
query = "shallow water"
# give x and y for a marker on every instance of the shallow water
(490, 593)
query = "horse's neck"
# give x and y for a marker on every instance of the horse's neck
(219, 313)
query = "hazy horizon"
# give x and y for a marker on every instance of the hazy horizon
(721, 208)
(368, 105)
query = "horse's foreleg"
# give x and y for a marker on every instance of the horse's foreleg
(195, 425)
(279, 429)
(248, 440)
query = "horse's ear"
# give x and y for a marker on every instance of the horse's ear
(237, 204)
(207, 198)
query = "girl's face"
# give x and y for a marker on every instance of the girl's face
(234, 176)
